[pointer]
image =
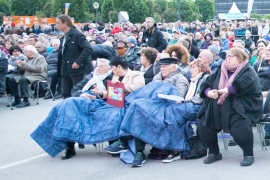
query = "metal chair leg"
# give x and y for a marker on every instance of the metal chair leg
(9, 102)
(37, 92)
(262, 137)
(51, 93)
(224, 140)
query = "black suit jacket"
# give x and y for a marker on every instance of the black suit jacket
(148, 75)
(76, 49)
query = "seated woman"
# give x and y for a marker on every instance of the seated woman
(233, 102)
(199, 72)
(132, 53)
(148, 57)
(87, 119)
(171, 74)
(16, 54)
(179, 52)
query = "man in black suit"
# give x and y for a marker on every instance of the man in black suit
(74, 57)
(148, 56)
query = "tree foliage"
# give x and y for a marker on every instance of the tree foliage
(206, 9)
(113, 15)
(256, 16)
(157, 17)
(170, 15)
(160, 6)
(151, 7)
(267, 16)
(137, 10)
(105, 9)
(188, 9)
(77, 9)
(26, 7)
(91, 8)
(4, 9)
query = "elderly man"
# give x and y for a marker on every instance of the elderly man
(214, 49)
(170, 73)
(32, 40)
(241, 44)
(152, 36)
(179, 27)
(35, 69)
(42, 49)
(176, 37)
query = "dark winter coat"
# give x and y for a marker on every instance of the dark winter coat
(44, 53)
(76, 49)
(154, 39)
(206, 43)
(102, 51)
(246, 103)
(52, 60)
(132, 56)
(148, 75)
(263, 73)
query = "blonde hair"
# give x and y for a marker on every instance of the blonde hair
(240, 54)
(203, 68)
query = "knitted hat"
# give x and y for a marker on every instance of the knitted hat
(12, 24)
(214, 48)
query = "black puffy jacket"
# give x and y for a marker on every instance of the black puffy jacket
(263, 70)
(52, 60)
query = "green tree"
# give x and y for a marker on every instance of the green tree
(26, 7)
(113, 15)
(105, 9)
(160, 6)
(267, 16)
(4, 9)
(187, 8)
(157, 17)
(77, 9)
(151, 7)
(256, 16)
(206, 9)
(137, 10)
(170, 15)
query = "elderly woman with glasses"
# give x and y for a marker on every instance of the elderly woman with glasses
(233, 102)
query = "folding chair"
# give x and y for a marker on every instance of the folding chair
(9, 101)
(260, 126)
(100, 145)
(38, 84)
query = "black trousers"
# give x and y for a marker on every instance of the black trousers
(68, 82)
(241, 131)
(140, 145)
(13, 86)
(2, 80)
(55, 80)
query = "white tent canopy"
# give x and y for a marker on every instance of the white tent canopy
(234, 9)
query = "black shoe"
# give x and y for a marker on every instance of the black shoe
(115, 155)
(139, 160)
(212, 158)
(81, 146)
(23, 104)
(14, 103)
(68, 154)
(117, 147)
(58, 96)
(49, 96)
(248, 160)
(232, 143)
(172, 157)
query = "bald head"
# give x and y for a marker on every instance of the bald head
(206, 57)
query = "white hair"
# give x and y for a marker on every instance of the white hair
(104, 60)
(248, 31)
(209, 54)
(150, 18)
(55, 41)
(31, 48)
(92, 24)
(173, 65)
(197, 33)
(231, 33)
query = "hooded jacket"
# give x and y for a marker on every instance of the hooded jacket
(206, 43)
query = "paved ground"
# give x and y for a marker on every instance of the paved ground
(21, 158)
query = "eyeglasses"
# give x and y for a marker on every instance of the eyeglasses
(230, 56)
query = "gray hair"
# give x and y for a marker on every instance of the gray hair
(209, 54)
(173, 65)
(150, 18)
(43, 45)
(104, 60)
(31, 48)
(55, 41)
(242, 42)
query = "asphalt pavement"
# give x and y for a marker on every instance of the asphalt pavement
(21, 158)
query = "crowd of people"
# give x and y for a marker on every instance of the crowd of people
(220, 69)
